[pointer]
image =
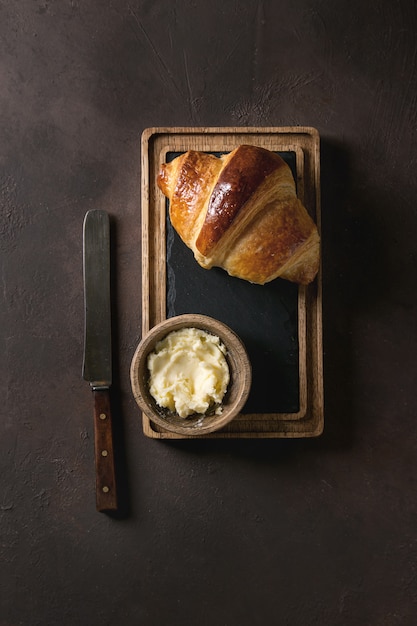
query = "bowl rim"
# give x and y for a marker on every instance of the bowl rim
(237, 358)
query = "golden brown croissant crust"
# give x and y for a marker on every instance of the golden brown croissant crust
(241, 212)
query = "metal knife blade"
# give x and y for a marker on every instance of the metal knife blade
(97, 365)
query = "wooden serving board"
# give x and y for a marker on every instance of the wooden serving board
(280, 323)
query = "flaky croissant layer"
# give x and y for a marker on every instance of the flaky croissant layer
(241, 212)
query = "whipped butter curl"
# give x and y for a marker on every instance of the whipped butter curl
(188, 372)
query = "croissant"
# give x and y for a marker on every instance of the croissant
(240, 212)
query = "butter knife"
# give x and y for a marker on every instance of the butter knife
(97, 365)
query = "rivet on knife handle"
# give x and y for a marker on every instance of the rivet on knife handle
(106, 493)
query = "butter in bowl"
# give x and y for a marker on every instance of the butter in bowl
(191, 375)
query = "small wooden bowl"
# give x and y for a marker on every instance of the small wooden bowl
(238, 388)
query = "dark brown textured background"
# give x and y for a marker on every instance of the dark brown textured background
(215, 533)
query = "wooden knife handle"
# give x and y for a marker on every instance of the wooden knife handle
(106, 493)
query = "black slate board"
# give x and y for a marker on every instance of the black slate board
(264, 316)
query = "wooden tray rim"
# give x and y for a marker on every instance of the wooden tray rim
(309, 424)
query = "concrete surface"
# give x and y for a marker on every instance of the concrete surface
(211, 533)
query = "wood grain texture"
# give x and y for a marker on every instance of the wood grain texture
(106, 491)
(305, 143)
